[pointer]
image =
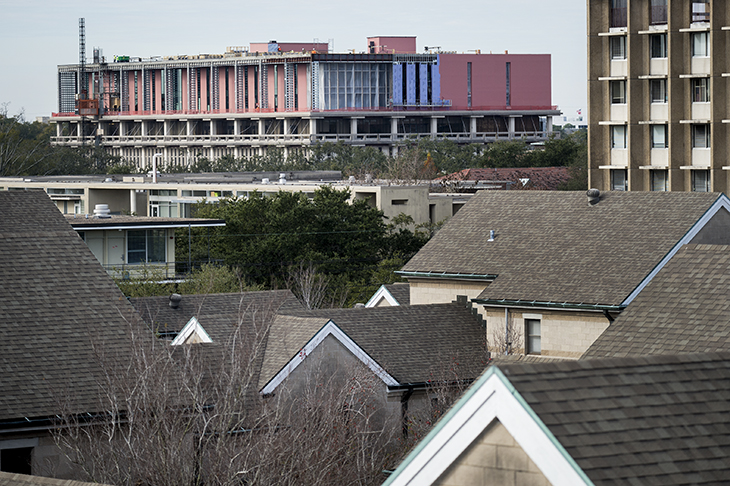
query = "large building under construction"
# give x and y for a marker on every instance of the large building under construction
(293, 95)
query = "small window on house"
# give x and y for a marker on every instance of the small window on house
(399, 202)
(618, 137)
(533, 336)
(700, 90)
(618, 92)
(658, 88)
(16, 461)
(659, 136)
(618, 47)
(701, 136)
(658, 180)
(700, 44)
(146, 246)
(700, 181)
(658, 46)
(619, 180)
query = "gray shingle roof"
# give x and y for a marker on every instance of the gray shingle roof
(400, 292)
(657, 420)
(684, 309)
(554, 246)
(414, 344)
(55, 301)
(219, 314)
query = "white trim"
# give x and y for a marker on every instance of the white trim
(193, 326)
(491, 400)
(382, 293)
(329, 329)
(532, 316)
(19, 443)
(81, 227)
(722, 202)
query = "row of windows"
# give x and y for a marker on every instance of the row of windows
(658, 90)
(699, 11)
(658, 180)
(700, 45)
(659, 136)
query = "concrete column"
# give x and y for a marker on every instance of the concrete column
(166, 127)
(473, 127)
(188, 130)
(212, 128)
(237, 126)
(434, 126)
(393, 128)
(143, 128)
(312, 126)
(261, 126)
(58, 129)
(132, 201)
(549, 124)
(511, 128)
(286, 128)
(353, 128)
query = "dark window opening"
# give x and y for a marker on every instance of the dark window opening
(17, 461)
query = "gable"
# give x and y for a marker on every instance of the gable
(716, 231)
(192, 333)
(495, 457)
(491, 399)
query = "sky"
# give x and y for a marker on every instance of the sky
(38, 35)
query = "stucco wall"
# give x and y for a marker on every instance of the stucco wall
(563, 334)
(443, 291)
(494, 458)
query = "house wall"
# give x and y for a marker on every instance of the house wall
(493, 458)
(430, 291)
(565, 334)
(716, 231)
(46, 458)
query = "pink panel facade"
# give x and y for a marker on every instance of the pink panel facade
(302, 81)
(530, 80)
(392, 45)
(159, 107)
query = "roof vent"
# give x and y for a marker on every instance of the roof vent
(359, 305)
(102, 211)
(175, 300)
(594, 195)
(491, 235)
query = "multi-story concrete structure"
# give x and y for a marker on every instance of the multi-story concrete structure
(173, 195)
(657, 90)
(293, 95)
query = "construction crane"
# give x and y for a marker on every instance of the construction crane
(84, 105)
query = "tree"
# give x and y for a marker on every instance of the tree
(192, 415)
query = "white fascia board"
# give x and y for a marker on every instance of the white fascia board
(193, 326)
(329, 329)
(382, 293)
(722, 202)
(492, 397)
(143, 226)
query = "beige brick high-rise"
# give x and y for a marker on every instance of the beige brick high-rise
(658, 78)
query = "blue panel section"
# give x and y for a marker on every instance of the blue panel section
(436, 82)
(423, 79)
(411, 83)
(397, 84)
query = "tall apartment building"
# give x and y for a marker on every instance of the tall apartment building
(658, 95)
(292, 95)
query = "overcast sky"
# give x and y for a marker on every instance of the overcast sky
(37, 35)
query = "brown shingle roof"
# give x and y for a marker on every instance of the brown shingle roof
(400, 292)
(555, 246)
(414, 344)
(540, 178)
(684, 309)
(657, 420)
(12, 479)
(56, 304)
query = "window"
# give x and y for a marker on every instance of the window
(658, 46)
(532, 336)
(700, 11)
(146, 246)
(618, 13)
(659, 136)
(658, 88)
(618, 47)
(700, 44)
(618, 92)
(700, 136)
(658, 12)
(399, 202)
(16, 461)
(700, 90)
(619, 180)
(618, 137)
(658, 180)
(701, 181)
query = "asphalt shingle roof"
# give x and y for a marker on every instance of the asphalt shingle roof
(414, 344)
(540, 178)
(400, 292)
(556, 247)
(12, 479)
(684, 309)
(56, 305)
(656, 420)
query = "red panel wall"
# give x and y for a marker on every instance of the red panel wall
(530, 80)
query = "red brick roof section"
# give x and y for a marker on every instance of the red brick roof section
(540, 178)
